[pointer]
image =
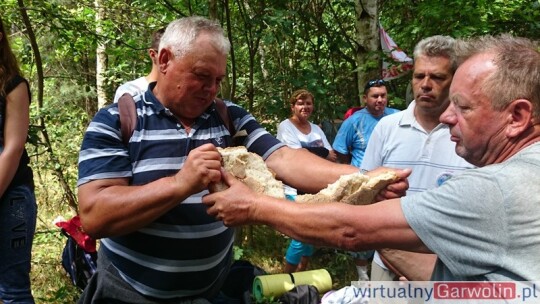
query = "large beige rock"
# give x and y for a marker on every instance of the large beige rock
(251, 169)
(355, 189)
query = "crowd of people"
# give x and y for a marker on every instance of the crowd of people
(468, 209)
(481, 223)
(143, 199)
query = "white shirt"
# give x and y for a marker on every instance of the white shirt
(134, 87)
(292, 137)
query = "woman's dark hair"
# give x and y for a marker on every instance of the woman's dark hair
(8, 63)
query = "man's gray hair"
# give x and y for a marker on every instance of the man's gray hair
(437, 46)
(181, 33)
(517, 75)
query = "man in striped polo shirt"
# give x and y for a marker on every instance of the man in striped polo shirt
(158, 245)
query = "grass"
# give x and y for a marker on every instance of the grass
(260, 245)
(50, 283)
(267, 249)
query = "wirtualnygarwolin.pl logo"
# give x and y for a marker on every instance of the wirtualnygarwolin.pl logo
(462, 292)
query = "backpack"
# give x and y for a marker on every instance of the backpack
(79, 264)
(239, 282)
(351, 111)
(128, 119)
(79, 256)
(301, 294)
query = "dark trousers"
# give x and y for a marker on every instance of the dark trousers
(107, 286)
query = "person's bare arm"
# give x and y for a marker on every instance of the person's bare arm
(15, 133)
(349, 227)
(407, 265)
(110, 207)
(304, 170)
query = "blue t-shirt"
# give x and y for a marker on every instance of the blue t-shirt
(354, 133)
(185, 252)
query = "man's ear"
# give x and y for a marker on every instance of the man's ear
(153, 53)
(164, 58)
(520, 113)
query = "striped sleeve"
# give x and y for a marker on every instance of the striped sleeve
(102, 154)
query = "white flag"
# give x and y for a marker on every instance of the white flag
(400, 62)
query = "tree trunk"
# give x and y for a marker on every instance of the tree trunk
(101, 58)
(228, 86)
(212, 10)
(367, 56)
(68, 194)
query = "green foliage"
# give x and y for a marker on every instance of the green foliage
(408, 22)
(50, 283)
(238, 253)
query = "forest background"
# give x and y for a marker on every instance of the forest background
(75, 53)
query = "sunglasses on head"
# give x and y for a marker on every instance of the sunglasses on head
(374, 83)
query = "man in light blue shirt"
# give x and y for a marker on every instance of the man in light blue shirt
(353, 135)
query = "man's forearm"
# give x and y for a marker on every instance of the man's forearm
(339, 225)
(108, 209)
(304, 170)
(331, 228)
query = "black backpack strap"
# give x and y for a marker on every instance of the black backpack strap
(128, 116)
(223, 112)
(237, 137)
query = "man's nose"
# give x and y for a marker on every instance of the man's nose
(448, 116)
(425, 83)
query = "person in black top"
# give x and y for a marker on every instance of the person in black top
(18, 210)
